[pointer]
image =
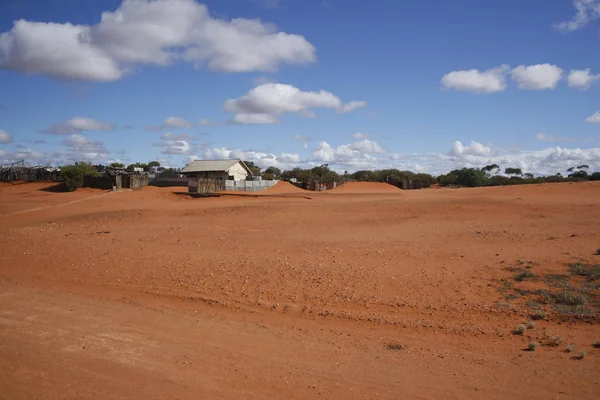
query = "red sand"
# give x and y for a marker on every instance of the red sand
(365, 187)
(283, 187)
(140, 295)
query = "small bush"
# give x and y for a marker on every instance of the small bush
(530, 324)
(532, 346)
(566, 297)
(395, 347)
(73, 175)
(596, 344)
(539, 315)
(554, 341)
(592, 272)
(582, 354)
(570, 348)
(598, 252)
(520, 329)
(520, 277)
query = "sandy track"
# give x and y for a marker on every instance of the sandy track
(279, 287)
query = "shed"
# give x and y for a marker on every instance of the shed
(218, 169)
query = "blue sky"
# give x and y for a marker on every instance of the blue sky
(427, 86)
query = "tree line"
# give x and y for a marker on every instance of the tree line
(490, 175)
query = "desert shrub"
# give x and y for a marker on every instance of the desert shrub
(530, 324)
(73, 175)
(590, 271)
(570, 348)
(521, 276)
(557, 280)
(520, 329)
(539, 315)
(532, 346)
(395, 347)
(554, 341)
(565, 297)
(582, 354)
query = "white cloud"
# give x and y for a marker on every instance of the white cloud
(301, 138)
(537, 77)
(177, 122)
(80, 148)
(244, 118)
(206, 122)
(77, 125)
(594, 119)
(289, 158)
(180, 136)
(475, 81)
(5, 137)
(581, 79)
(358, 154)
(262, 159)
(474, 149)
(268, 101)
(353, 105)
(181, 147)
(149, 32)
(368, 146)
(171, 123)
(359, 136)
(544, 137)
(587, 11)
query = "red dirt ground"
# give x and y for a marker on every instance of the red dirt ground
(153, 295)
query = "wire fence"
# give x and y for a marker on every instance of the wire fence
(19, 171)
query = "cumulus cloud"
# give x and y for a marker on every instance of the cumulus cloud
(351, 106)
(5, 137)
(368, 146)
(181, 147)
(537, 77)
(587, 11)
(206, 122)
(244, 118)
(594, 119)
(180, 136)
(77, 125)
(262, 159)
(474, 149)
(149, 32)
(358, 154)
(81, 148)
(475, 81)
(544, 137)
(359, 136)
(581, 79)
(265, 102)
(172, 123)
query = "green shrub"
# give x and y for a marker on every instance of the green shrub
(596, 344)
(520, 277)
(532, 346)
(570, 348)
(554, 341)
(73, 175)
(520, 329)
(590, 271)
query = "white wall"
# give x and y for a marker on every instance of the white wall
(238, 171)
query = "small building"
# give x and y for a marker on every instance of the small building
(208, 176)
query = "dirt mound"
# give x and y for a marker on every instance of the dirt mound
(365, 187)
(283, 188)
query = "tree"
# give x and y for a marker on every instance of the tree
(131, 167)
(274, 172)
(470, 177)
(595, 176)
(253, 168)
(117, 165)
(153, 164)
(513, 171)
(491, 170)
(528, 176)
(73, 175)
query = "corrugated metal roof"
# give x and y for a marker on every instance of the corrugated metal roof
(210, 165)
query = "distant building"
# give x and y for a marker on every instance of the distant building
(218, 169)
